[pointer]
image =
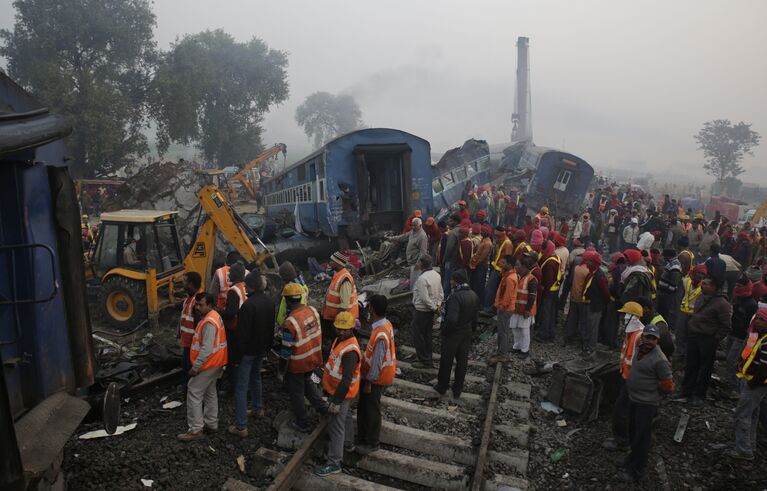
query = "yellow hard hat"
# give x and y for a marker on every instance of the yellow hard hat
(632, 308)
(344, 320)
(293, 290)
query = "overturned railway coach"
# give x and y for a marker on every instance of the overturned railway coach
(361, 183)
(557, 179)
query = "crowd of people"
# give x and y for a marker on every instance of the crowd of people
(644, 279)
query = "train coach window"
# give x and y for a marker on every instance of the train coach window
(322, 189)
(437, 185)
(460, 174)
(447, 180)
(563, 179)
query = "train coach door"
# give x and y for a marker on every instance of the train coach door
(384, 183)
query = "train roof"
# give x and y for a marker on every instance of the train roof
(322, 149)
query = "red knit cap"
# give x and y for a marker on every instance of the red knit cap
(476, 228)
(633, 256)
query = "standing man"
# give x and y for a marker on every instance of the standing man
(752, 372)
(461, 312)
(631, 234)
(503, 247)
(417, 246)
(505, 304)
(650, 378)
(221, 283)
(709, 324)
(526, 306)
(450, 253)
(253, 339)
(668, 286)
(551, 279)
(480, 262)
(189, 319)
(208, 354)
(341, 296)
(379, 367)
(341, 381)
(691, 292)
(427, 299)
(300, 355)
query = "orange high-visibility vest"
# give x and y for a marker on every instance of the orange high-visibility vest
(242, 295)
(499, 254)
(556, 259)
(334, 371)
(385, 332)
(224, 284)
(306, 348)
(690, 294)
(753, 343)
(630, 342)
(333, 298)
(186, 324)
(220, 355)
(522, 295)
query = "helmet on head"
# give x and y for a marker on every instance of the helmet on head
(344, 320)
(292, 290)
(632, 308)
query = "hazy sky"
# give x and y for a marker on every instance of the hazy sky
(619, 83)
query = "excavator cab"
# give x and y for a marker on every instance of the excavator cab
(137, 258)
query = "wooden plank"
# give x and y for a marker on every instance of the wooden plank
(479, 467)
(290, 474)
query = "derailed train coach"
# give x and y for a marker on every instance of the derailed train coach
(359, 184)
(550, 177)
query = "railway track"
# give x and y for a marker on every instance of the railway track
(476, 442)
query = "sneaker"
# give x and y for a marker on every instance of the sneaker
(233, 430)
(350, 447)
(437, 393)
(522, 354)
(422, 364)
(190, 436)
(734, 454)
(303, 428)
(367, 449)
(682, 399)
(613, 444)
(209, 430)
(258, 413)
(327, 469)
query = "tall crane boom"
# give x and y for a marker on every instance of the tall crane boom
(242, 175)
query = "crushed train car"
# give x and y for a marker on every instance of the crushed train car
(458, 169)
(549, 177)
(357, 185)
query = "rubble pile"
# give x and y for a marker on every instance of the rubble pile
(162, 186)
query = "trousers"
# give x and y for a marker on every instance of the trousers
(680, 334)
(747, 417)
(248, 375)
(423, 324)
(621, 415)
(640, 436)
(701, 351)
(455, 346)
(300, 385)
(478, 280)
(340, 431)
(491, 287)
(548, 315)
(504, 331)
(202, 400)
(369, 415)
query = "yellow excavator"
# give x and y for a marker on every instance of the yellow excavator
(243, 176)
(139, 265)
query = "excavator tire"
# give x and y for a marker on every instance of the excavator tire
(122, 302)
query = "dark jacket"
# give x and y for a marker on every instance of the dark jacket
(598, 293)
(255, 327)
(712, 316)
(461, 310)
(637, 285)
(671, 277)
(743, 309)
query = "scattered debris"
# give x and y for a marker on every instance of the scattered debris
(561, 423)
(172, 405)
(241, 463)
(103, 434)
(148, 483)
(681, 427)
(557, 455)
(552, 408)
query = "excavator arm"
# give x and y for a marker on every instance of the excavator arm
(221, 217)
(241, 176)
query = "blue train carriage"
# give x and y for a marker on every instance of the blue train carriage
(459, 167)
(560, 180)
(46, 350)
(357, 185)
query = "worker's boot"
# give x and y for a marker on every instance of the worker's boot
(233, 430)
(190, 436)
